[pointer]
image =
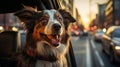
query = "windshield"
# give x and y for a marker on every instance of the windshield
(116, 33)
(100, 32)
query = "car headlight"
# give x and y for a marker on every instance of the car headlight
(117, 47)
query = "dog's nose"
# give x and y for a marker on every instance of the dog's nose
(56, 27)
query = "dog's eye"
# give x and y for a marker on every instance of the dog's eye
(44, 22)
(59, 18)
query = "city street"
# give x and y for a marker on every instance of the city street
(26, 25)
(88, 53)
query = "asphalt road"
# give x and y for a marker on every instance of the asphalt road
(79, 48)
(88, 53)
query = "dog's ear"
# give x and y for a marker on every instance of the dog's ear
(66, 15)
(26, 15)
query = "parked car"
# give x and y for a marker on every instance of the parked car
(85, 33)
(98, 35)
(75, 33)
(111, 43)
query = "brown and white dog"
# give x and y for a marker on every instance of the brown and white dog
(45, 31)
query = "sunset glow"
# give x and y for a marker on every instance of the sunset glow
(85, 22)
(86, 11)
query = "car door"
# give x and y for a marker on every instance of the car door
(106, 41)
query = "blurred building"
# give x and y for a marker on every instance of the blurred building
(100, 17)
(67, 5)
(78, 20)
(8, 21)
(77, 17)
(112, 13)
(98, 22)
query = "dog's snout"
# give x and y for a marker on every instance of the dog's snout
(56, 26)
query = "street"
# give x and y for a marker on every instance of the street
(88, 53)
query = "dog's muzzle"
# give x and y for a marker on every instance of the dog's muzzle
(54, 36)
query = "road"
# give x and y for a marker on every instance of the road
(88, 53)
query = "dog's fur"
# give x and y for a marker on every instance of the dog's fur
(46, 37)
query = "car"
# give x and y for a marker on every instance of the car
(111, 43)
(85, 33)
(75, 33)
(98, 35)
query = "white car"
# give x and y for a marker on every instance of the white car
(98, 35)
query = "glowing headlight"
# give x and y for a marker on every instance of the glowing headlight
(14, 29)
(117, 47)
(104, 30)
(1, 28)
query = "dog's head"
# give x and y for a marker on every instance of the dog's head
(47, 25)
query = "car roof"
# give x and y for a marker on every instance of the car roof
(112, 28)
(10, 6)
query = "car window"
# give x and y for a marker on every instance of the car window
(116, 33)
(110, 30)
(99, 31)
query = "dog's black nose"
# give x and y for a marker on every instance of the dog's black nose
(56, 27)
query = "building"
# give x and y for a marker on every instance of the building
(112, 13)
(8, 21)
(67, 5)
(101, 16)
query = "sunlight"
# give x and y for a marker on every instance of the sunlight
(85, 22)
(84, 9)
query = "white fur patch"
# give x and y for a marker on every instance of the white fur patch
(41, 63)
(59, 51)
(52, 20)
(47, 48)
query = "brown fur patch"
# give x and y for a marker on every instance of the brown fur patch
(37, 30)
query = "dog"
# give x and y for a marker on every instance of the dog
(46, 31)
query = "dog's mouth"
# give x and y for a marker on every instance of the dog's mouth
(54, 39)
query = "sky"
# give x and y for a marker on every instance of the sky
(86, 11)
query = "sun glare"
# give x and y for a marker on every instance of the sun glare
(85, 22)
(84, 9)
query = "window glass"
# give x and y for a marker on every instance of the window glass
(116, 33)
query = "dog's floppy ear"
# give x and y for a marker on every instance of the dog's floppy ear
(66, 15)
(26, 15)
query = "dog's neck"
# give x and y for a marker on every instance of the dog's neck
(29, 52)
(47, 53)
